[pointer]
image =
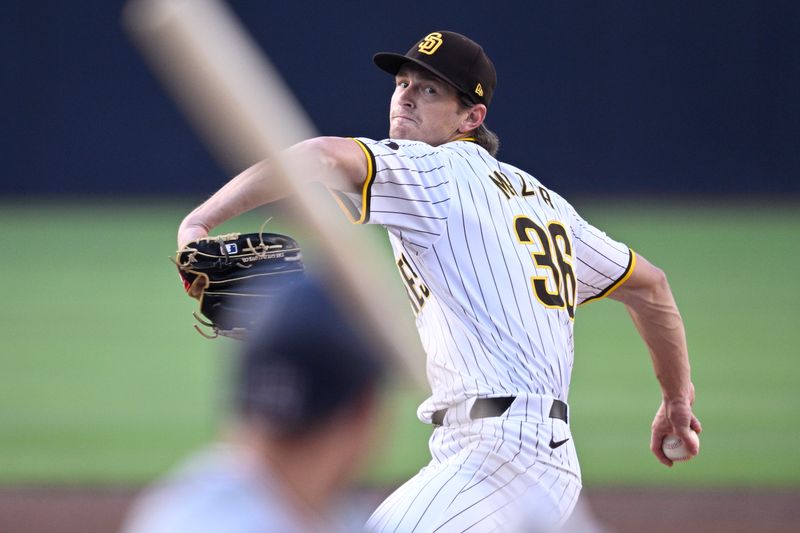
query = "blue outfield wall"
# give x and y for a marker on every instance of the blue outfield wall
(593, 97)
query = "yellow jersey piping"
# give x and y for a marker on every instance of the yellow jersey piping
(614, 286)
(344, 202)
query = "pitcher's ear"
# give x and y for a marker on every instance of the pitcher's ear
(474, 118)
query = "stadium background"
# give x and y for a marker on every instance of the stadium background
(673, 125)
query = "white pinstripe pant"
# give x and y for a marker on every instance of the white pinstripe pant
(490, 474)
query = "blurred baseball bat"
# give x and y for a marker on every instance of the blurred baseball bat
(240, 106)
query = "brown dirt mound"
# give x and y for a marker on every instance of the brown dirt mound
(621, 510)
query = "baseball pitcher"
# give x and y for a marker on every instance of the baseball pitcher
(495, 265)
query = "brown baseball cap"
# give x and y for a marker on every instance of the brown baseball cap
(456, 59)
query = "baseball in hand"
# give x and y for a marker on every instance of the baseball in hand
(675, 449)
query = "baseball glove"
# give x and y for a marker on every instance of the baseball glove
(235, 275)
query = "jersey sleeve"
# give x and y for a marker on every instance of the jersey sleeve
(407, 190)
(602, 264)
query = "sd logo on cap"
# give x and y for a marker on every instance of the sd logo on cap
(430, 43)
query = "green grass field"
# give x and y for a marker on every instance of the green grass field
(103, 379)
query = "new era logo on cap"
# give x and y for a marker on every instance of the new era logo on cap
(456, 59)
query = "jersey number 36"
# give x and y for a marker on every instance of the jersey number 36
(555, 255)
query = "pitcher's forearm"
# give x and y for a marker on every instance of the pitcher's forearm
(336, 162)
(660, 325)
(250, 189)
(649, 301)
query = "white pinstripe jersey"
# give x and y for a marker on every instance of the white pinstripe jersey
(494, 264)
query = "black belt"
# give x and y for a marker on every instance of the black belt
(489, 407)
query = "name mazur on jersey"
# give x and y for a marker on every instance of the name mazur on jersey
(504, 184)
